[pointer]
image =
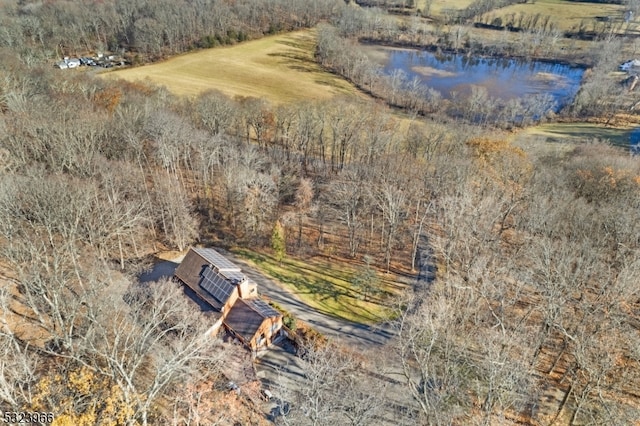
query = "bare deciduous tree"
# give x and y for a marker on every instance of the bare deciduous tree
(174, 211)
(150, 339)
(348, 198)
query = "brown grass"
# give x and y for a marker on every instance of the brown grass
(564, 14)
(439, 6)
(279, 68)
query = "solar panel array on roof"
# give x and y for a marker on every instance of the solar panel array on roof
(263, 308)
(216, 259)
(216, 285)
(233, 276)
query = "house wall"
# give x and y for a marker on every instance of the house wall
(232, 299)
(247, 289)
(269, 329)
(215, 328)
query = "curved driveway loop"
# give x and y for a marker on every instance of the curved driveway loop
(281, 371)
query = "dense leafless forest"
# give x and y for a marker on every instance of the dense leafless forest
(533, 316)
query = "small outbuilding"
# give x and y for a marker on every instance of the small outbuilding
(630, 66)
(68, 63)
(73, 62)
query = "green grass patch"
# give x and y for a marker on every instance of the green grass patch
(278, 68)
(580, 132)
(324, 285)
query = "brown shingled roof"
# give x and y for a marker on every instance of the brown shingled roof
(243, 320)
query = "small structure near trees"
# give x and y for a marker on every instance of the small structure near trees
(631, 66)
(96, 61)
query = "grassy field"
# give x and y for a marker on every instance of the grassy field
(564, 14)
(438, 6)
(324, 285)
(279, 68)
(579, 132)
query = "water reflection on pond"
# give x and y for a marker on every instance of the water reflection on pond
(503, 78)
(634, 141)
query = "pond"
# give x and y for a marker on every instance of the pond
(634, 141)
(503, 78)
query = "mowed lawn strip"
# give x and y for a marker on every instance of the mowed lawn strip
(580, 132)
(323, 285)
(278, 68)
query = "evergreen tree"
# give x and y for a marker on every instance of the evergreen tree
(278, 242)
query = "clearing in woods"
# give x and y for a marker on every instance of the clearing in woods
(580, 133)
(278, 68)
(327, 285)
(438, 7)
(566, 15)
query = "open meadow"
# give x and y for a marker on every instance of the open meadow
(565, 15)
(438, 7)
(562, 133)
(278, 68)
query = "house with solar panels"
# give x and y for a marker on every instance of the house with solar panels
(231, 297)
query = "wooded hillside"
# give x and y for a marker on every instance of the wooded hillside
(533, 316)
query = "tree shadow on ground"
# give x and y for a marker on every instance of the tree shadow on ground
(296, 61)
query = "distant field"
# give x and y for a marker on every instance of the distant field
(279, 68)
(579, 132)
(566, 15)
(437, 6)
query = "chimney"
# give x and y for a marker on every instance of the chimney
(247, 289)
